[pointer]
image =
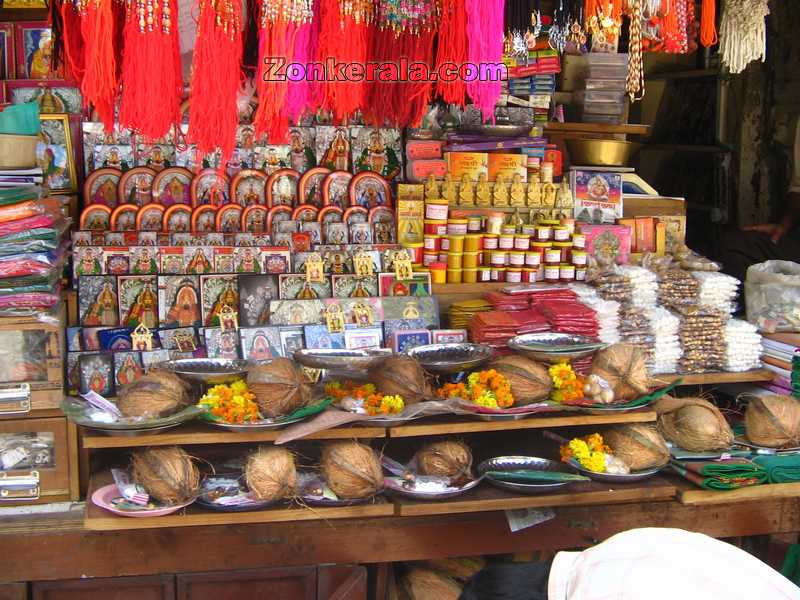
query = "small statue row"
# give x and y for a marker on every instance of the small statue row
(501, 193)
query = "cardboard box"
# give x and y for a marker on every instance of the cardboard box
(614, 239)
(506, 165)
(410, 191)
(645, 239)
(410, 221)
(469, 163)
(598, 195)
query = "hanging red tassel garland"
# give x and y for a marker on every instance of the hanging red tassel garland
(216, 77)
(151, 68)
(99, 84)
(452, 49)
(72, 39)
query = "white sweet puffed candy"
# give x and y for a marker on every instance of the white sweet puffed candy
(742, 346)
(717, 290)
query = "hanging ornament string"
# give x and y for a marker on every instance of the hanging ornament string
(484, 47)
(344, 38)
(151, 68)
(743, 33)
(56, 20)
(99, 84)
(280, 22)
(559, 29)
(298, 94)
(72, 39)
(708, 23)
(452, 49)
(634, 84)
(216, 76)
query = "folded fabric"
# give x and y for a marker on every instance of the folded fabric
(730, 474)
(781, 468)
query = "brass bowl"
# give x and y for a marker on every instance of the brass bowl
(601, 153)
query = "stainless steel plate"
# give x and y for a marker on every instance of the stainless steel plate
(512, 463)
(209, 483)
(503, 417)
(743, 441)
(132, 432)
(450, 358)
(498, 130)
(210, 371)
(259, 426)
(394, 487)
(611, 410)
(615, 478)
(555, 347)
(342, 360)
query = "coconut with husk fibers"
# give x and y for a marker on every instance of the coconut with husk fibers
(167, 474)
(280, 388)
(157, 394)
(450, 459)
(351, 470)
(638, 445)
(529, 380)
(693, 424)
(402, 376)
(773, 421)
(271, 474)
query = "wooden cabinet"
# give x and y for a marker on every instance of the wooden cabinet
(298, 583)
(158, 587)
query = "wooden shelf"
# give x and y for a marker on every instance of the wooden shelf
(198, 433)
(713, 378)
(629, 128)
(533, 422)
(694, 496)
(98, 519)
(488, 498)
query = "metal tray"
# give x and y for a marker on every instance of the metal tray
(511, 463)
(342, 360)
(743, 441)
(260, 426)
(132, 432)
(614, 478)
(307, 481)
(450, 358)
(611, 410)
(504, 417)
(555, 347)
(208, 504)
(394, 487)
(210, 371)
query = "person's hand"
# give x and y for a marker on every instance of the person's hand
(775, 231)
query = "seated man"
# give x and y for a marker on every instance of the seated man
(640, 564)
(772, 241)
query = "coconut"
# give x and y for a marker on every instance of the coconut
(351, 470)
(271, 474)
(460, 569)
(639, 446)
(279, 387)
(530, 381)
(168, 474)
(624, 367)
(402, 376)
(773, 421)
(424, 584)
(157, 394)
(445, 459)
(693, 424)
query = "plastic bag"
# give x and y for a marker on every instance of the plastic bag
(772, 295)
(30, 208)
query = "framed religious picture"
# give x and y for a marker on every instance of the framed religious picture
(204, 219)
(150, 218)
(282, 188)
(229, 218)
(8, 66)
(173, 185)
(96, 373)
(87, 260)
(115, 156)
(246, 137)
(210, 187)
(143, 260)
(248, 188)
(309, 188)
(297, 287)
(382, 222)
(224, 260)
(335, 189)
(34, 51)
(101, 187)
(260, 343)
(291, 340)
(216, 292)
(302, 148)
(255, 293)
(199, 260)
(333, 148)
(254, 219)
(123, 218)
(55, 154)
(138, 300)
(96, 217)
(172, 260)
(353, 286)
(276, 215)
(240, 160)
(136, 186)
(177, 219)
(355, 215)
(247, 259)
(155, 156)
(271, 158)
(97, 301)
(221, 344)
(377, 150)
(52, 96)
(330, 214)
(179, 301)
(305, 213)
(369, 190)
(128, 368)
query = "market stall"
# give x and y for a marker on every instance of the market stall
(362, 322)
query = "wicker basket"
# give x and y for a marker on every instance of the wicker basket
(18, 151)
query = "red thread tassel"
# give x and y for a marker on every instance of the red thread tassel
(213, 112)
(73, 40)
(151, 69)
(452, 48)
(708, 23)
(275, 42)
(99, 85)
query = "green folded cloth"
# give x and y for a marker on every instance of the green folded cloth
(14, 195)
(729, 474)
(781, 468)
(21, 119)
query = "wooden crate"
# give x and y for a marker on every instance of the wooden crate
(57, 481)
(46, 391)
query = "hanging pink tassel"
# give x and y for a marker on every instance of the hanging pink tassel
(299, 92)
(484, 45)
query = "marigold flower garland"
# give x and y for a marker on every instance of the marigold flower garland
(485, 388)
(567, 384)
(590, 451)
(232, 403)
(374, 402)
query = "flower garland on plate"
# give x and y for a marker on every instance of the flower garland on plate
(233, 403)
(484, 388)
(567, 384)
(364, 396)
(590, 451)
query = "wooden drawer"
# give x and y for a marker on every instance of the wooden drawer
(33, 449)
(157, 587)
(295, 583)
